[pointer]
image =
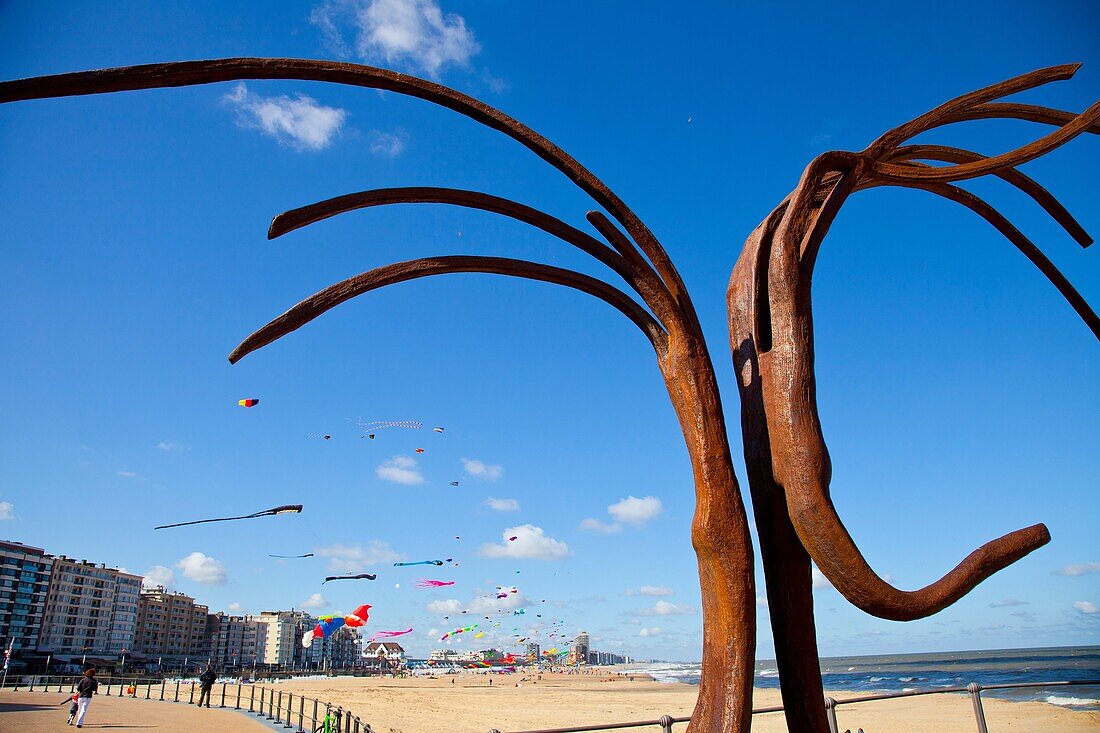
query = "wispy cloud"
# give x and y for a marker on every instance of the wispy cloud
(502, 505)
(414, 34)
(635, 511)
(654, 631)
(400, 470)
(1007, 603)
(352, 559)
(665, 608)
(172, 446)
(158, 575)
(650, 590)
(7, 510)
(315, 601)
(531, 543)
(235, 607)
(819, 579)
(300, 122)
(387, 144)
(202, 569)
(444, 608)
(480, 470)
(1086, 607)
(492, 604)
(1084, 568)
(126, 474)
(595, 525)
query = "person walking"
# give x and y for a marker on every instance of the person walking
(207, 679)
(88, 686)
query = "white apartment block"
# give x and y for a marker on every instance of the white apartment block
(90, 609)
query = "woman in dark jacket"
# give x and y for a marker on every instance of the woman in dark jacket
(87, 687)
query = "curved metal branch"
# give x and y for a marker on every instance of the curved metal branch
(652, 289)
(1014, 111)
(913, 153)
(334, 295)
(935, 117)
(190, 73)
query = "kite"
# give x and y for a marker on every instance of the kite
(479, 634)
(419, 450)
(478, 665)
(433, 583)
(513, 538)
(454, 483)
(360, 576)
(249, 402)
(285, 509)
(387, 634)
(438, 429)
(374, 426)
(460, 630)
(328, 624)
(518, 612)
(501, 595)
(292, 557)
(418, 562)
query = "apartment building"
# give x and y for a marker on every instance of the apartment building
(24, 583)
(171, 625)
(282, 637)
(236, 641)
(90, 609)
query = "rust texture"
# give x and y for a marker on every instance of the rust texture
(771, 332)
(771, 337)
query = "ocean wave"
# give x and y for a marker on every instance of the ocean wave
(1071, 702)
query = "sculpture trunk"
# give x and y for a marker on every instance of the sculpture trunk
(722, 544)
(787, 569)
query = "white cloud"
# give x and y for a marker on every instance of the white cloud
(315, 601)
(491, 604)
(7, 510)
(654, 590)
(1084, 568)
(415, 34)
(126, 474)
(387, 144)
(665, 608)
(300, 123)
(1086, 607)
(595, 525)
(172, 446)
(235, 607)
(400, 470)
(478, 469)
(1007, 603)
(531, 543)
(158, 575)
(502, 505)
(202, 569)
(444, 608)
(655, 631)
(353, 559)
(819, 579)
(635, 511)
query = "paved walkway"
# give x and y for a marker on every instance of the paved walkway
(24, 712)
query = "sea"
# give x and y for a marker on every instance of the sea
(906, 672)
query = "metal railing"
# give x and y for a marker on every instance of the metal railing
(291, 711)
(974, 689)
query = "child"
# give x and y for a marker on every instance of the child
(72, 708)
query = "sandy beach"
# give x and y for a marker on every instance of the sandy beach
(471, 705)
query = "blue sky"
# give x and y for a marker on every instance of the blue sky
(959, 393)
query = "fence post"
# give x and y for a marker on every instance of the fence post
(238, 694)
(314, 714)
(666, 723)
(177, 698)
(261, 700)
(278, 707)
(975, 691)
(289, 706)
(31, 688)
(223, 695)
(830, 713)
(148, 689)
(191, 701)
(162, 684)
(301, 712)
(251, 699)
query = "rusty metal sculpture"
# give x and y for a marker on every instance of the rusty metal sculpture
(771, 332)
(771, 337)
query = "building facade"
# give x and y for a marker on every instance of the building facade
(578, 654)
(171, 626)
(282, 637)
(90, 610)
(534, 651)
(24, 584)
(236, 641)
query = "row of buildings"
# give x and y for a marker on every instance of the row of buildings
(579, 654)
(54, 609)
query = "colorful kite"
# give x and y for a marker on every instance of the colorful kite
(292, 557)
(433, 583)
(438, 429)
(249, 402)
(285, 509)
(479, 634)
(387, 634)
(518, 612)
(329, 624)
(360, 576)
(460, 630)
(419, 450)
(418, 562)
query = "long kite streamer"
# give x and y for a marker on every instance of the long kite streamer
(461, 630)
(292, 557)
(285, 509)
(387, 634)
(360, 576)
(418, 562)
